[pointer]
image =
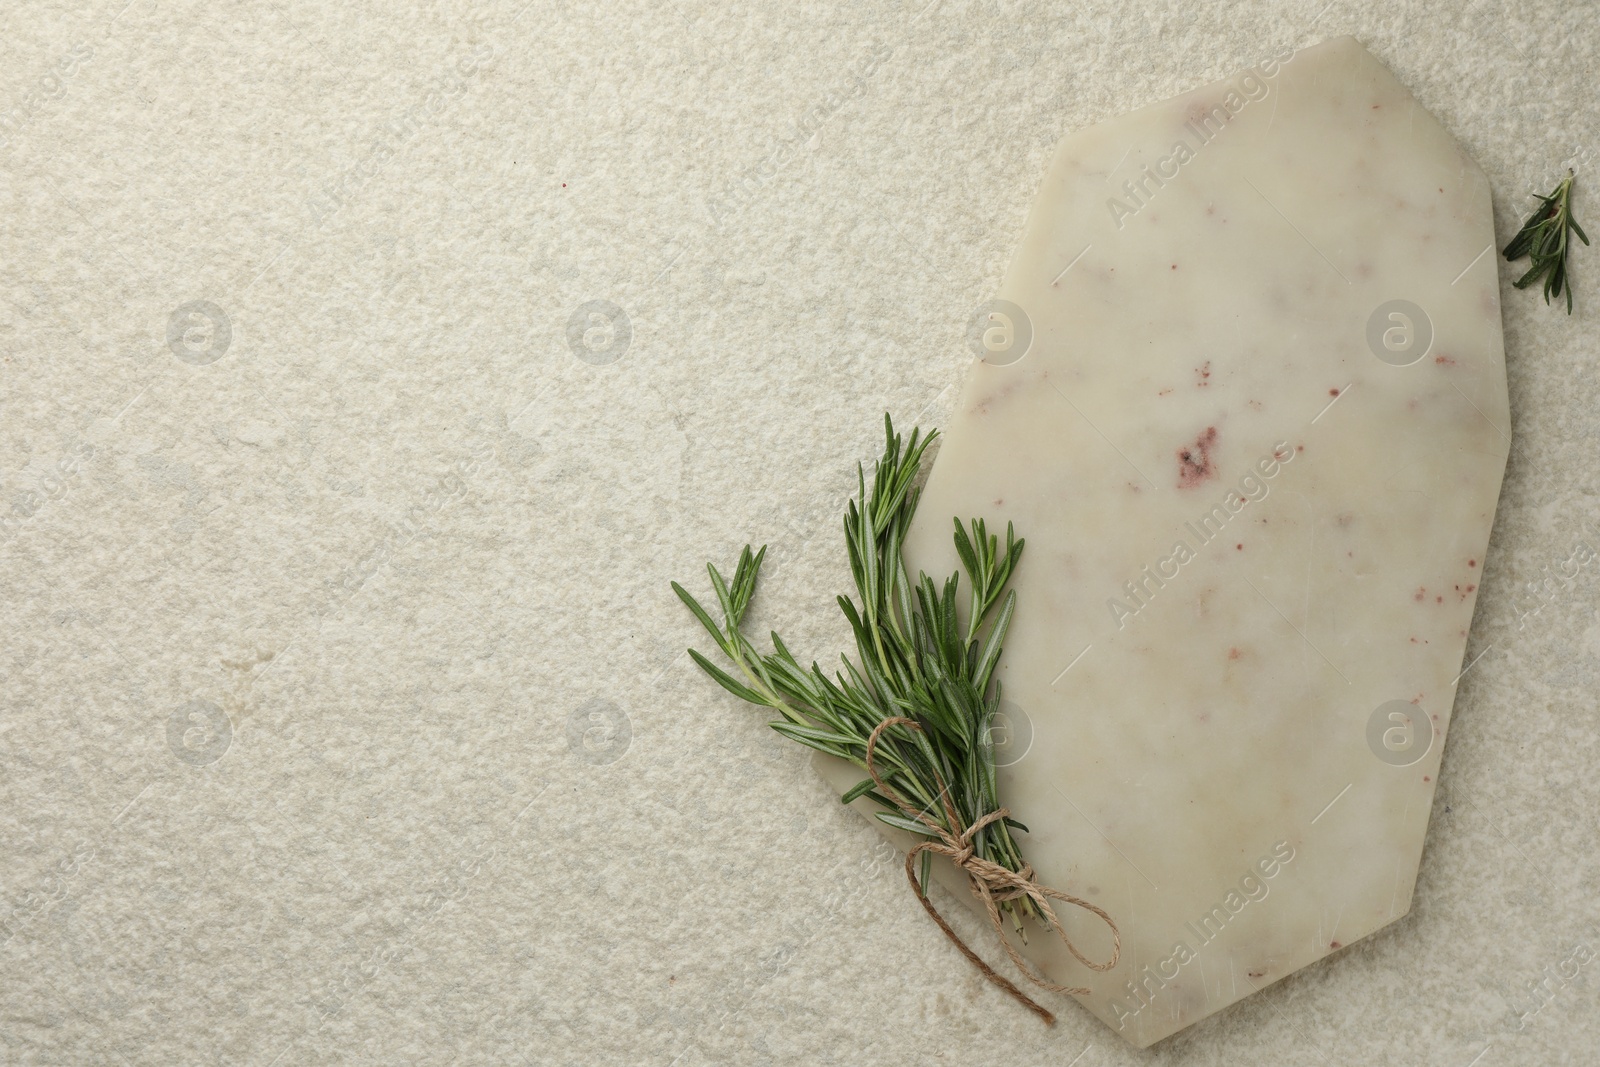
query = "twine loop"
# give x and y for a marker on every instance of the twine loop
(991, 883)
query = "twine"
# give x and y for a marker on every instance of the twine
(991, 883)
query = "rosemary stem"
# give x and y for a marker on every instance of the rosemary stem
(915, 659)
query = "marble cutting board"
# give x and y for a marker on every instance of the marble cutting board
(1243, 391)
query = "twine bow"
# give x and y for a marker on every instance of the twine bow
(991, 883)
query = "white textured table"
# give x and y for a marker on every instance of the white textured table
(365, 379)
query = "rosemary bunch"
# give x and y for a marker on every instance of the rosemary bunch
(1543, 238)
(913, 658)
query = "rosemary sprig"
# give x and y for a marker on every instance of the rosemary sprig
(1543, 238)
(913, 659)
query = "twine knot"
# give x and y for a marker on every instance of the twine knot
(991, 883)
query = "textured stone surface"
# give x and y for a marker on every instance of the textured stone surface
(1245, 395)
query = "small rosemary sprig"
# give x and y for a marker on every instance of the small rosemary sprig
(1543, 238)
(913, 658)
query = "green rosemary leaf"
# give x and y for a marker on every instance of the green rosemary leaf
(858, 626)
(902, 583)
(783, 651)
(744, 581)
(860, 789)
(726, 682)
(900, 822)
(991, 651)
(809, 733)
(860, 683)
(830, 750)
(964, 549)
(954, 647)
(1013, 551)
(700, 613)
(725, 598)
